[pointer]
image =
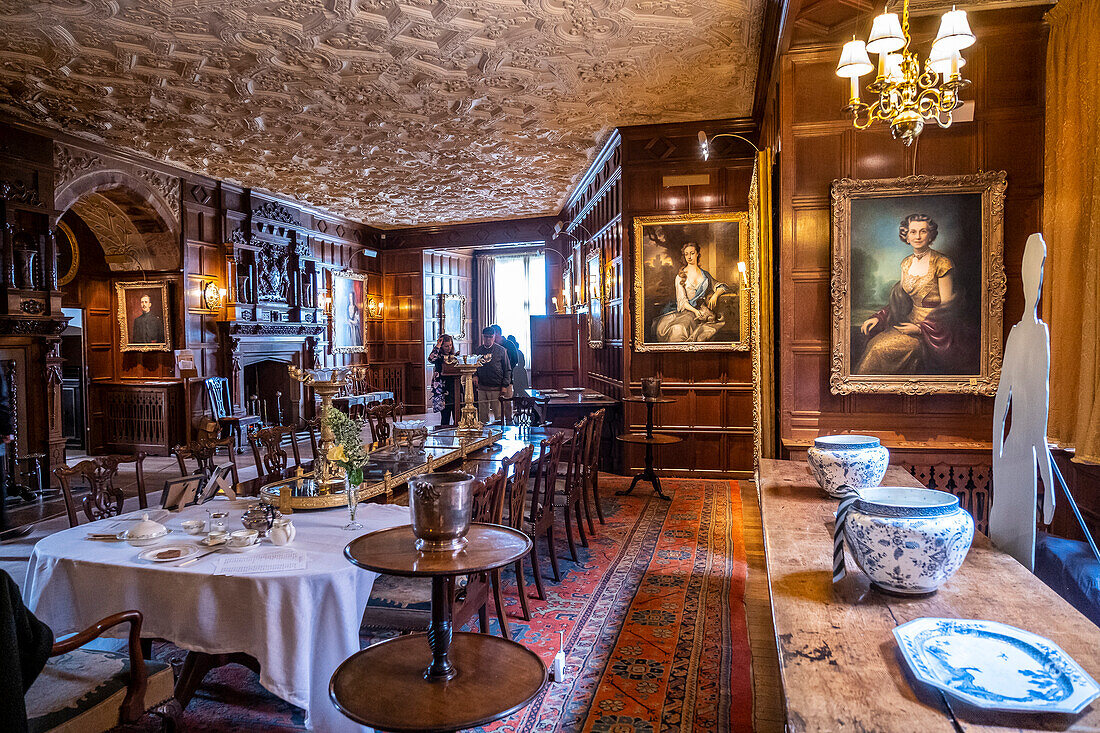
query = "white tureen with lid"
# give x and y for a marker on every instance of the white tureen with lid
(145, 532)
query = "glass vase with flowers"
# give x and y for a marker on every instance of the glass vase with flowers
(349, 453)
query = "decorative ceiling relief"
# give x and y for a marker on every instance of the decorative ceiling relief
(392, 113)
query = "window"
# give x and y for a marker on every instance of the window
(520, 282)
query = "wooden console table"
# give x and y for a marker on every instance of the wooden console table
(839, 663)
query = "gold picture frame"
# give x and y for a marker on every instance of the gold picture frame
(883, 342)
(661, 322)
(593, 267)
(144, 327)
(347, 312)
(452, 315)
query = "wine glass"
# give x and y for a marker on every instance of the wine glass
(353, 502)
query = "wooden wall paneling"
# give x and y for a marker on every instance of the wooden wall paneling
(819, 145)
(403, 320)
(713, 412)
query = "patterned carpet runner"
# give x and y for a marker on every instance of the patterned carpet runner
(652, 616)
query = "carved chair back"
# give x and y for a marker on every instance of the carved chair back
(546, 476)
(524, 411)
(104, 497)
(267, 449)
(488, 498)
(217, 391)
(313, 427)
(520, 464)
(380, 417)
(575, 463)
(594, 442)
(202, 450)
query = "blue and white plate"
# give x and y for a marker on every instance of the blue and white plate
(995, 666)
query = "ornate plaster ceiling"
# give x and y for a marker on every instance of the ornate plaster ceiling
(390, 112)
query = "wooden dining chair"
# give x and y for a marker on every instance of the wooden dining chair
(233, 421)
(380, 418)
(573, 487)
(104, 498)
(405, 604)
(540, 521)
(516, 493)
(592, 467)
(267, 449)
(202, 452)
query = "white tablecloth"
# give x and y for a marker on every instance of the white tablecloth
(300, 625)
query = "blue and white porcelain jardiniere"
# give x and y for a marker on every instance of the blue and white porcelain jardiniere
(858, 461)
(908, 541)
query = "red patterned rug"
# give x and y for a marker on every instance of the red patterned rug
(652, 617)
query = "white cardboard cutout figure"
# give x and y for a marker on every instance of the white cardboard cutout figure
(1025, 388)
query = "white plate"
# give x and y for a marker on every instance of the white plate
(245, 548)
(205, 541)
(169, 553)
(995, 666)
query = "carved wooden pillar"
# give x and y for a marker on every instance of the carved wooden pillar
(53, 401)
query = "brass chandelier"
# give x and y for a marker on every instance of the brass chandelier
(904, 96)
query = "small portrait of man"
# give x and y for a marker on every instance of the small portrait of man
(148, 327)
(142, 312)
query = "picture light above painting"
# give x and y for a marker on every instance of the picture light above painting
(918, 284)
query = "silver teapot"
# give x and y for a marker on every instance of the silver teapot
(260, 518)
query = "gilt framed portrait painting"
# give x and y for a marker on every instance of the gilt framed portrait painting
(593, 265)
(918, 284)
(688, 292)
(144, 322)
(347, 316)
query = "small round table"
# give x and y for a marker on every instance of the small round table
(455, 680)
(649, 439)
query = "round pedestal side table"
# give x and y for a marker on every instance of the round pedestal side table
(442, 680)
(649, 439)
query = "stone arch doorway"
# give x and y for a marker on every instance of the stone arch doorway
(118, 229)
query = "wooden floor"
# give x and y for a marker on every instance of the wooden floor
(768, 706)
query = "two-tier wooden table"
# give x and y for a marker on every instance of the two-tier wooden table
(442, 680)
(650, 440)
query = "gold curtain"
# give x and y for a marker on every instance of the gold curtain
(1071, 216)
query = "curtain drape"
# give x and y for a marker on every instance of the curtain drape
(1071, 212)
(486, 293)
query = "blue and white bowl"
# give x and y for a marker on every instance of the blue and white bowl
(908, 541)
(858, 461)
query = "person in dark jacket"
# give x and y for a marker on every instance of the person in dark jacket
(25, 645)
(494, 378)
(148, 327)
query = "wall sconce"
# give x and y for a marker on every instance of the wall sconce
(374, 308)
(555, 302)
(212, 295)
(324, 301)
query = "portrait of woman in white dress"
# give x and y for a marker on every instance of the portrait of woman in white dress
(690, 283)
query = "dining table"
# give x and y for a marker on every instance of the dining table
(299, 622)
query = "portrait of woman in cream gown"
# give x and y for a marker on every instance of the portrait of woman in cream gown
(919, 330)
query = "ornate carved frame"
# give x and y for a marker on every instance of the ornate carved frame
(443, 298)
(124, 325)
(331, 312)
(991, 186)
(595, 296)
(746, 251)
(64, 278)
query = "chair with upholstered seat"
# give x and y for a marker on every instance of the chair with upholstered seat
(232, 421)
(404, 604)
(104, 498)
(83, 689)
